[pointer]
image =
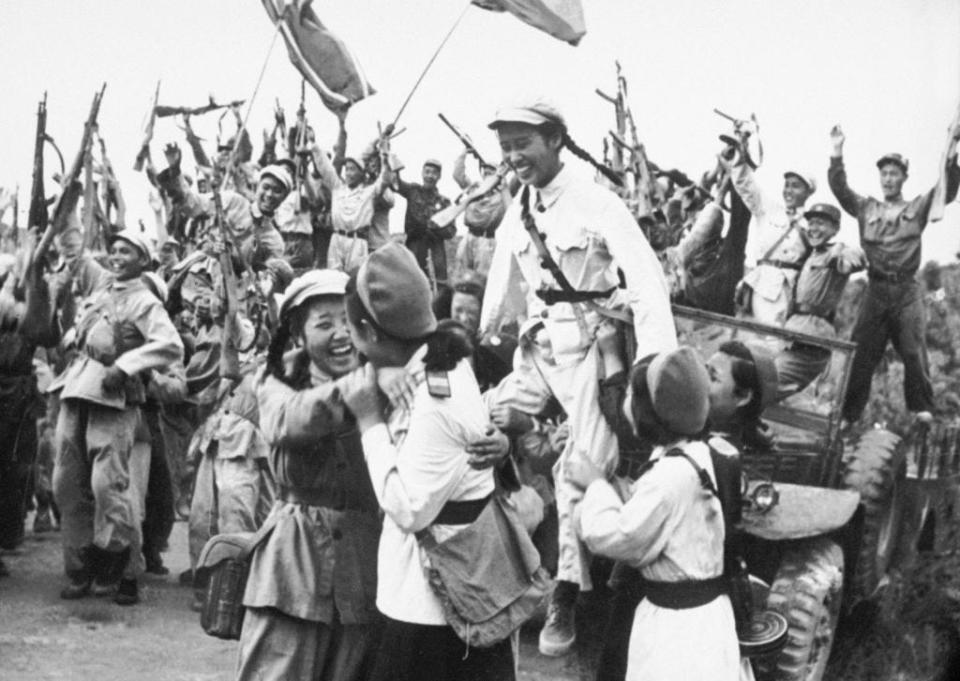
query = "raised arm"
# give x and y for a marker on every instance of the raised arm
(849, 200)
(295, 418)
(460, 170)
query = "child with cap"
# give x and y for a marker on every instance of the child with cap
(823, 276)
(419, 465)
(671, 527)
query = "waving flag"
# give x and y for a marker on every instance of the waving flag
(563, 19)
(320, 56)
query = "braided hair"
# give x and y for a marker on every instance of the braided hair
(556, 128)
(288, 329)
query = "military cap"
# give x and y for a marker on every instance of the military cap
(532, 112)
(896, 159)
(825, 210)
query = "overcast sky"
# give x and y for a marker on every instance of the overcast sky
(887, 70)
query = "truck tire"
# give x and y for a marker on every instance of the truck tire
(875, 468)
(807, 591)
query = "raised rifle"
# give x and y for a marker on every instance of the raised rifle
(472, 150)
(38, 217)
(746, 137)
(147, 133)
(445, 216)
(166, 111)
(71, 187)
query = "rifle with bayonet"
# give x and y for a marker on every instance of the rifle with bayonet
(472, 150)
(71, 186)
(147, 133)
(38, 216)
(640, 190)
(162, 111)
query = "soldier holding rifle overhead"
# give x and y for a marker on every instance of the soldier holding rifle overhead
(890, 233)
(568, 240)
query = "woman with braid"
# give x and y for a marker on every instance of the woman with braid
(599, 261)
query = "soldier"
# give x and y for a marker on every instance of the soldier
(122, 332)
(423, 200)
(590, 238)
(26, 322)
(766, 290)
(890, 233)
(481, 217)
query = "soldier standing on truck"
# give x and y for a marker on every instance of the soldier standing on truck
(890, 233)
(568, 281)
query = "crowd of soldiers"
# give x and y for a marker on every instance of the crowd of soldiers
(257, 367)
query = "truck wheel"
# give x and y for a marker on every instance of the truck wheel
(808, 590)
(875, 469)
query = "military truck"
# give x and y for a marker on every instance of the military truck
(827, 541)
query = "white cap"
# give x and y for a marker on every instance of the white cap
(313, 283)
(532, 112)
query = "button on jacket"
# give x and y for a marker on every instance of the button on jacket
(591, 235)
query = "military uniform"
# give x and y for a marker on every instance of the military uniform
(779, 250)
(122, 326)
(890, 233)
(592, 237)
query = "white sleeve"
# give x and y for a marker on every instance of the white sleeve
(647, 290)
(414, 481)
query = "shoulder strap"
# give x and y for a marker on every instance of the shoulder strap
(548, 263)
(705, 480)
(546, 260)
(776, 244)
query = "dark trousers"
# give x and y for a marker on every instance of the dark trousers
(420, 652)
(420, 246)
(626, 584)
(715, 270)
(891, 312)
(159, 514)
(18, 450)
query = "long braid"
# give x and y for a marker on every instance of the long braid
(584, 155)
(278, 346)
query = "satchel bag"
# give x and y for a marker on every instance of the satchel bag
(487, 577)
(226, 559)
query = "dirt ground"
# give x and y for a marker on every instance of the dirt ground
(906, 635)
(44, 638)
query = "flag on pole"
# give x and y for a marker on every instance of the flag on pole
(320, 56)
(563, 19)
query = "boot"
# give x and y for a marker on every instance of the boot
(559, 632)
(154, 562)
(42, 522)
(127, 592)
(81, 579)
(108, 568)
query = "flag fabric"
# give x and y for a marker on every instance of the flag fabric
(563, 19)
(320, 56)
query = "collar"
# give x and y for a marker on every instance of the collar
(414, 365)
(318, 376)
(547, 196)
(128, 285)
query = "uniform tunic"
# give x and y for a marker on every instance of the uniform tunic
(312, 585)
(771, 282)
(890, 233)
(591, 235)
(672, 530)
(124, 325)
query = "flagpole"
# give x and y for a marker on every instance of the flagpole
(430, 63)
(256, 89)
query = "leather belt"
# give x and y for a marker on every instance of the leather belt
(461, 512)
(890, 277)
(810, 310)
(686, 594)
(551, 296)
(488, 233)
(360, 233)
(782, 264)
